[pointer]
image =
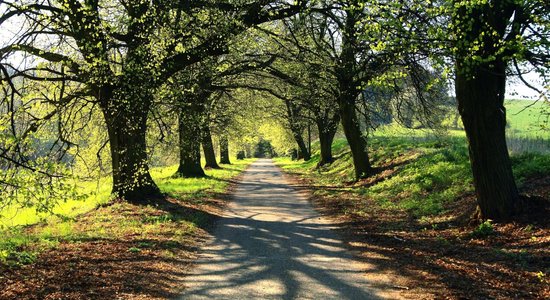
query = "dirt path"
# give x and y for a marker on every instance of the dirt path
(271, 244)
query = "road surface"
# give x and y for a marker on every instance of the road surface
(272, 244)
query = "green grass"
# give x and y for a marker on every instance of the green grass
(527, 118)
(98, 192)
(527, 126)
(524, 118)
(437, 168)
(216, 180)
(20, 244)
(421, 173)
(95, 193)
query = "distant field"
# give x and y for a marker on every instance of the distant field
(524, 117)
(527, 118)
(527, 128)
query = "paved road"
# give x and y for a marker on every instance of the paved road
(271, 244)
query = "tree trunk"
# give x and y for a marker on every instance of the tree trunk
(304, 153)
(296, 127)
(349, 89)
(356, 140)
(325, 139)
(126, 122)
(480, 90)
(208, 146)
(224, 150)
(298, 154)
(327, 128)
(309, 138)
(480, 96)
(190, 147)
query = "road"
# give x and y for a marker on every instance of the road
(272, 244)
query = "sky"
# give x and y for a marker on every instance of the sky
(515, 89)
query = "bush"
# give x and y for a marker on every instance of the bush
(483, 230)
(241, 155)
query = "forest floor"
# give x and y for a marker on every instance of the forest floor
(108, 255)
(118, 250)
(448, 255)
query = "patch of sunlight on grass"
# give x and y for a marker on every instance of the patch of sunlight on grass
(98, 193)
(216, 180)
(20, 245)
(288, 164)
(422, 173)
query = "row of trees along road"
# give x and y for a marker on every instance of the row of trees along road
(119, 53)
(328, 61)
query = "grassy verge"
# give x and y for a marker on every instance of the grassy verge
(417, 175)
(161, 235)
(413, 217)
(98, 193)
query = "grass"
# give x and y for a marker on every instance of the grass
(524, 118)
(418, 174)
(21, 244)
(98, 193)
(95, 193)
(527, 118)
(527, 126)
(216, 180)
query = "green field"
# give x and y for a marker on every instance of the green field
(527, 127)
(527, 118)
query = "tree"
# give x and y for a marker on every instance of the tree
(335, 34)
(121, 60)
(191, 92)
(485, 41)
(224, 149)
(307, 100)
(490, 37)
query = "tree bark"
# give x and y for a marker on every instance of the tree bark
(355, 138)
(302, 148)
(126, 120)
(480, 99)
(348, 86)
(327, 128)
(189, 124)
(298, 154)
(325, 140)
(480, 85)
(208, 146)
(295, 121)
(224, 150)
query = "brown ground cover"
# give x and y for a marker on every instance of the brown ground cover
(119, 251)
(454, 257)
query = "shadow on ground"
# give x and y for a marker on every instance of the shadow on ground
(120, 251)
(444, 258)
(272, 244)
